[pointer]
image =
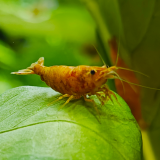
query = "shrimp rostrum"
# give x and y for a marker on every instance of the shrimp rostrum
(75, 82)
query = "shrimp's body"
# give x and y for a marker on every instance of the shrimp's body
(74, 82)
(71, 80)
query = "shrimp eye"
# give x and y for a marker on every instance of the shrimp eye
(92, 72)
(107, 66)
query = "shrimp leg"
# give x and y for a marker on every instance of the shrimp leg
(71, 97)
(101, 98)
(61, 97)
(92, 101)
(108, 93)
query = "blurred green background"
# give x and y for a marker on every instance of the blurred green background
(63, 32)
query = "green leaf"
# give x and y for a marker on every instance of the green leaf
(29, 129)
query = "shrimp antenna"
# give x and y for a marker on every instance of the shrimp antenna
(118, 52)
(133, 71)
(98, 52)
(120, 80)
(139, 85)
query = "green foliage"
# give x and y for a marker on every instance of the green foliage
(32, 130)
(136, 25)
(62, 34)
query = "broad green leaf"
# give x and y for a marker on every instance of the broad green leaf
(29, 129)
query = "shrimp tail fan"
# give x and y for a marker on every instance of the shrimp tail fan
(30, 70)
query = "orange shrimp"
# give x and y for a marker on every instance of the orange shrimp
(77, 82)
(74, 82)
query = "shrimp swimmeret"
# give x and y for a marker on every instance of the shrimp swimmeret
(77, 82)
